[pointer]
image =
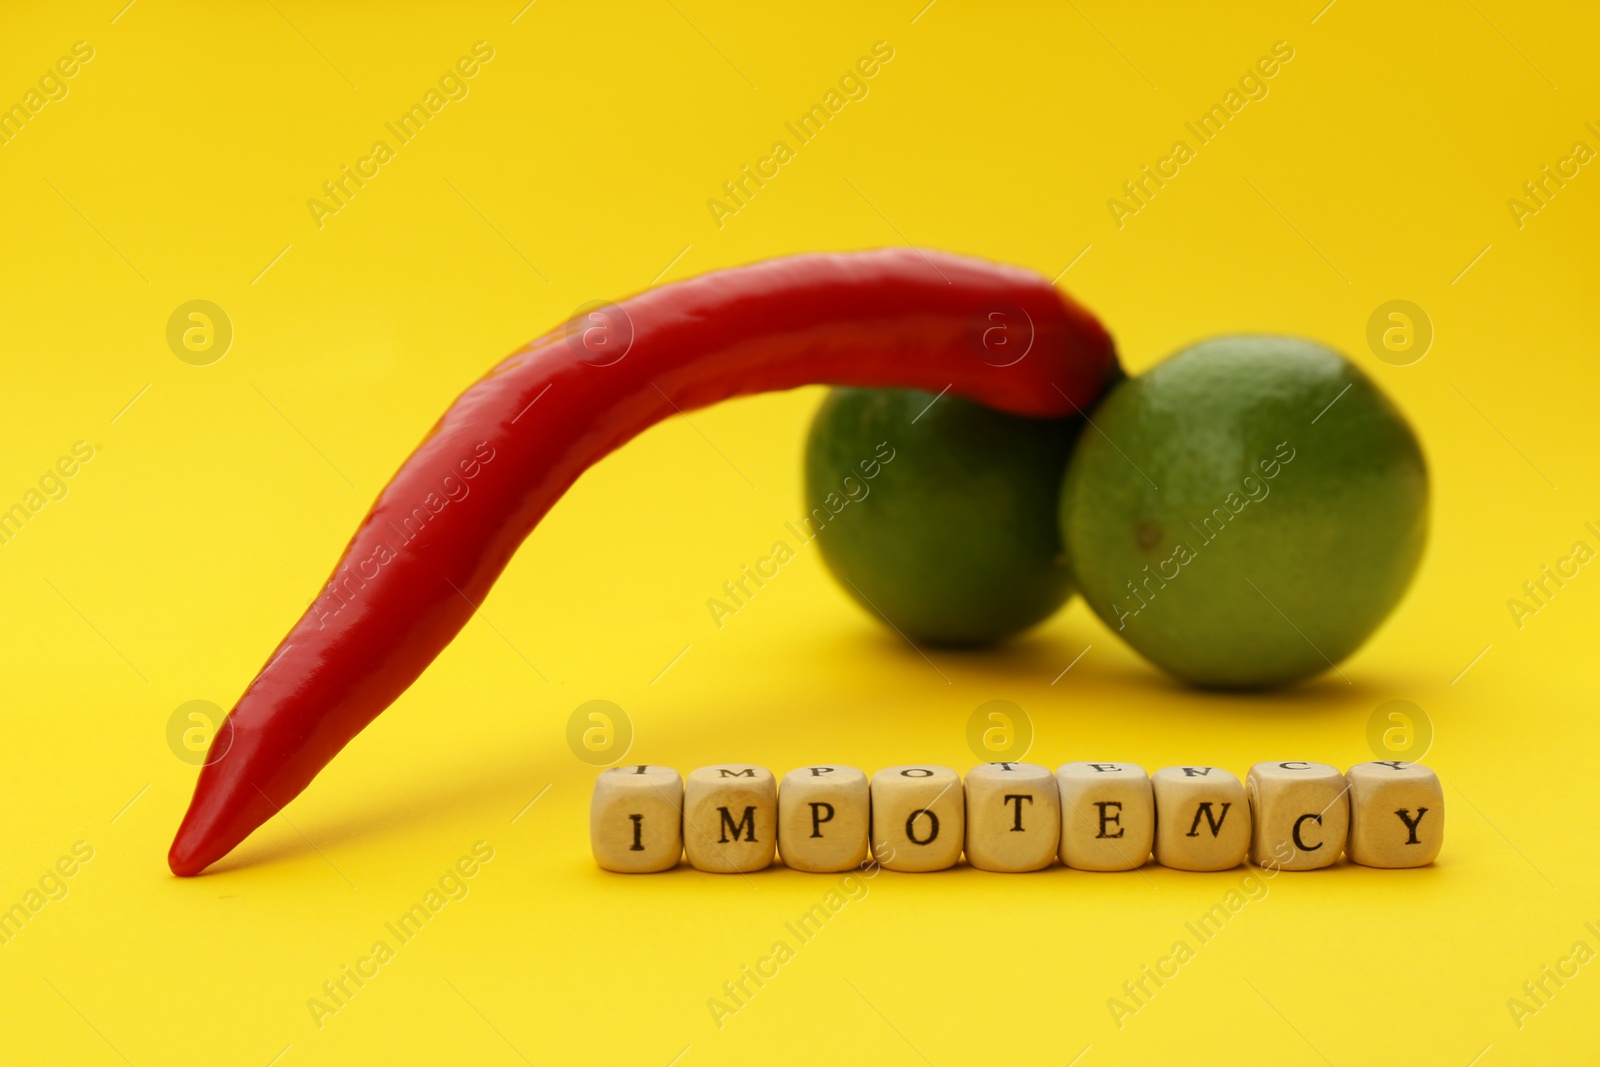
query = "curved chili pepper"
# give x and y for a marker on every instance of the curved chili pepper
(448, 522)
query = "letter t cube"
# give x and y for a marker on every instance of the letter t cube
(1013, 817)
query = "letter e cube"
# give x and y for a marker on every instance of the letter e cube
(1108, 816)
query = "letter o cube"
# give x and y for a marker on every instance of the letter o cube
(1396, 814)
(635, 819)
(1299, 815)
(918, 818)
(824, 814)
(1013, 817)
(730, 818)
(1202, 818)
(1108, 816)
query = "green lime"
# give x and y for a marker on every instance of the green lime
(1246, 513)
(938, 514)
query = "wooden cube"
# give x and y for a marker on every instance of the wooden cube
(635, 819)
(1396, 814)
(1013, 817)
(1108, 816)
(1299, 815)
(730, 818)
(1202, 818)
(824, 814)
(918, 818)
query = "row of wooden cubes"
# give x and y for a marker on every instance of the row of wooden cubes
(1294, 816)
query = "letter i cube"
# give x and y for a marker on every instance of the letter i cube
(1396, 814)
(635, 819)
(1108, 816)
(823, 818)
(1299, 815)
(730, 818)
(1013, 817)
(1202, 818)
(918, 818)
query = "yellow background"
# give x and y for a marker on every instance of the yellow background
(179, 167)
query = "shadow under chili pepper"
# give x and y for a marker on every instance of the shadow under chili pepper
(488, 796)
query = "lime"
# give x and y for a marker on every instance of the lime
(938, 514)
(1246, 513)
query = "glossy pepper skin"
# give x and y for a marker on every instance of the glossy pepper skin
(445, 526)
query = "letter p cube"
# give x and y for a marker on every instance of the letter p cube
(823, 813)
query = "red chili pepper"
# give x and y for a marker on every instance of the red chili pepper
(448, 522)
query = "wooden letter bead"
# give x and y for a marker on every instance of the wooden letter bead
(1396, 814)
(1299, 815)
(730, 818)
(1013, 817)
(1108, 816)
(823, 816)
(918, 818)
(1202, 818)
(635, 819)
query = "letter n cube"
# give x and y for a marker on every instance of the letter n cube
(1202, 818)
